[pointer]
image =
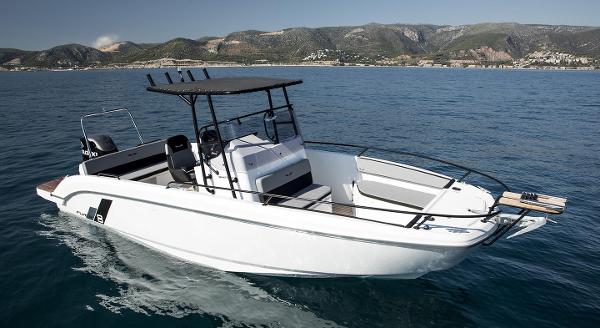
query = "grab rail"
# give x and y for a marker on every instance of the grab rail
(106, 112)
(364, 149)
(238, 118)
(418, 215)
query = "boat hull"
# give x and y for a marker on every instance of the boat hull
(246, 237)
(242, 247)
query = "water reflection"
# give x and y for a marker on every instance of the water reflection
(151, 283)
(148, 282)
(357, 302)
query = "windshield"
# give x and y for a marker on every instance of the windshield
(272, 126)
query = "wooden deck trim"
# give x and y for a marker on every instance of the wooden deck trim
(538, 208)
(342, 209)
(541, 198)
(50, 186)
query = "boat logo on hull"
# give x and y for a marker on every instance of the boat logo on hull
(101, 213)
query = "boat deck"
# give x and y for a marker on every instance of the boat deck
(51, 185)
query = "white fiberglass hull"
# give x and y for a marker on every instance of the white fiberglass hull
(248, 237)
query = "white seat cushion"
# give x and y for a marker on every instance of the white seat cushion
(401, 172)
(312, 193)
(388, 193)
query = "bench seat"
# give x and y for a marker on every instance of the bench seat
(130, 163)
(310, 195)
(145, 172)
(294, 180)
(402, 172)
(392, 194)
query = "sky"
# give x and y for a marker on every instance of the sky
(41, 24)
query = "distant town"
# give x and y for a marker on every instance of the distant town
(540, 60)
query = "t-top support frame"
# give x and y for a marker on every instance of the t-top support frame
(191, 101)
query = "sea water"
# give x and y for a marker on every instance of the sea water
(536, 130)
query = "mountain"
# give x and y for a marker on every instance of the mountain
(123, 49)
(179, 48)
(371, 43)
(9, 56)
(69, 55)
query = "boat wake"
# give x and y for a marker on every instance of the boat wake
(150, 283)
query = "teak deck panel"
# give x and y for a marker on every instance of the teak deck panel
(541, 198)
(343, 209)
(555, 204)
(51, 185)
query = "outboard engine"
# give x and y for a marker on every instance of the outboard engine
(100, 145)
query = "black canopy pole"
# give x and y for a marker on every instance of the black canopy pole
(197, 133)
(291, 110)
(272, 116)
(270, 101)
(216, 124)
(287, 99)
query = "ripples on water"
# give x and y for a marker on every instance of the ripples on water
(537, 131)
(149, 283)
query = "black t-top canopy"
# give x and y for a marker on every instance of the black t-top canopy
(223, 86)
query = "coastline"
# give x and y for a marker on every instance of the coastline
(307, 65)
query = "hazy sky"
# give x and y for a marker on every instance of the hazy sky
(41, 24)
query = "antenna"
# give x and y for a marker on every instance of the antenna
(168, 78)
(180, 74)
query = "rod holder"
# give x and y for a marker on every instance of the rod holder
(189, 73)
(205, 71)
(180, 74)
(150, 80)
(168, 78)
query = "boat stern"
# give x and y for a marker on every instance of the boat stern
(46, 189)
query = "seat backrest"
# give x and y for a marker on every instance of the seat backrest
(125, 161)
(287, 180)
(180, 157)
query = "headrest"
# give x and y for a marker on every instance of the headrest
(177, 143)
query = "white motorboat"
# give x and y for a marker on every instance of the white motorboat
(251, 195)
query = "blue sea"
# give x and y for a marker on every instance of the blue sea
(536, 130)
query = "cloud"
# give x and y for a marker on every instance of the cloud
(105, 40)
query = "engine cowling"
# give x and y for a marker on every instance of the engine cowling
(100, 145)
